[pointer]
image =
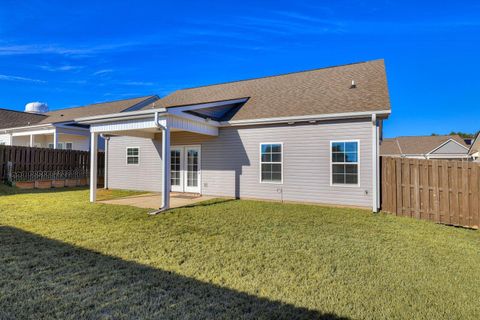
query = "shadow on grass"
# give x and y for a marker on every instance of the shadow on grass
(43, 278)
(7, 190)
(208, 203)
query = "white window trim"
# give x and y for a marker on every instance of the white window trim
(260, 163)
(345, 185)
(126, 156)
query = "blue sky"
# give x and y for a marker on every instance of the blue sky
(73, 53)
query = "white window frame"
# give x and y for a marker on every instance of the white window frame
(65, 145)
(260, 163)
(126, 156)
(345, 185)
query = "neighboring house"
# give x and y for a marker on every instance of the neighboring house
(425, 147)
(307, 136)
(474, 151)
(57, 129)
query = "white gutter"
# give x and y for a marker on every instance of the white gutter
(165, 164)
(45, 125)
(317, 117)
(105, 166)
(121, 115)
(375, 165)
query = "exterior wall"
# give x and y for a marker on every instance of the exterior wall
(23, 141)
(230, 163)
(451, 148)
(144, 176)
(5, 139)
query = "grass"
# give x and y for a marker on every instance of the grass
(62, 257)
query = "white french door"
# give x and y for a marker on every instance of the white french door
(185, 168)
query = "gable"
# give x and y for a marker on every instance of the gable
(450, 147)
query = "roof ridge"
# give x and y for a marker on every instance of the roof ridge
(92, 104)
(421, 136)
(280, 75)
(29, 113)
(399, 147)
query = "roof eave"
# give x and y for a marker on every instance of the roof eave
(383, 114)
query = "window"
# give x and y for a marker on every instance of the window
(60, 145)
(68, 145)
(271, 162)
(132, 155)
(2, 143)
(50, 145)
(344, 158)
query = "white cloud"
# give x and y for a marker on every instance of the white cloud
(17, 78)
(138, 83)
(103, 71)
(60, 68)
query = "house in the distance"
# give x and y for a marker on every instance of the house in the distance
(38, 127)
(425, 147)
(474, 151)
(308, 136)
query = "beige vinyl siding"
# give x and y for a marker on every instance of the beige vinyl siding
(230, 164)
(147, 175)
(451, 148)
(5, 139)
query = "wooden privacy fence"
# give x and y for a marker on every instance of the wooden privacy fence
(438, 190)
(25, 159)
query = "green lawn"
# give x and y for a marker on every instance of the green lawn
(62, 257)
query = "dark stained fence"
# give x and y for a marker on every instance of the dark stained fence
(42, 159)
(442, 191)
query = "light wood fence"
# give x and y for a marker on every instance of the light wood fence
(442, 191)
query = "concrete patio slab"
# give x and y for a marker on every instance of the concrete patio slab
(154, 200)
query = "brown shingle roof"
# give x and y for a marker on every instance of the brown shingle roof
(320, 91)
(415, 144)
(12, 118)
(96, 109)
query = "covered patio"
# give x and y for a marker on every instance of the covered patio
(51, 136)
(146, 124)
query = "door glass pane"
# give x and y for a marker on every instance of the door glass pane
(192, 168)
(175, 167)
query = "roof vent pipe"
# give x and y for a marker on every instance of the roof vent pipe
(354, 85)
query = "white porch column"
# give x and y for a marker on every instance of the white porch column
(55, 139)
(105, 166)
(93, 165)
(166, 167)
(31, 140)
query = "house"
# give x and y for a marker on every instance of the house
(425, 147)
(474, 151)
(58, 129)
(308, 136)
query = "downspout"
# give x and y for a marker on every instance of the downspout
(165, 197)
(105, 166)
(375, 164)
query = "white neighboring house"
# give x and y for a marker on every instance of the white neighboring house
(57, 129)
(426, 147)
